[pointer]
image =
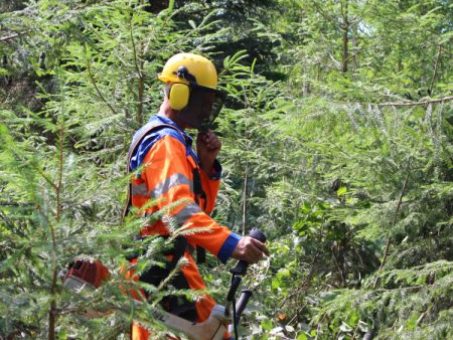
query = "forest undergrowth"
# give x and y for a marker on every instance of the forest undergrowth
(337, 142)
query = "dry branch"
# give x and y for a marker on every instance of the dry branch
(9, 37)
(421, 102)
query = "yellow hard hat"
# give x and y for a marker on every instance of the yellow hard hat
(190, 69)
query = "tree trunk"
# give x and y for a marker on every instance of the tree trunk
(345, 27)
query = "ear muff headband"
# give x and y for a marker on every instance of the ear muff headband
(179, 96)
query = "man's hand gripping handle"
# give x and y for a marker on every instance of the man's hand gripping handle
(241, 266)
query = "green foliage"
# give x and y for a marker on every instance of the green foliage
(335, 143)
(409, 303)
(62, 161)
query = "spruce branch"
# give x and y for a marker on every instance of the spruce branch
(330, 18)
(46, 178)
(181, 263)
(37, 169)
(9, 224)
(96, 88)
(58, 191)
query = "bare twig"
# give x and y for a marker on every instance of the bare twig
(244, 201)
(345, 28)
(421, 102)
(9, 37)
(439, 52)
(303, 288)
(15, 204)
(98, 91)
(395, 217)
(141, 81)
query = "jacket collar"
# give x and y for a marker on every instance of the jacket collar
(166, 120)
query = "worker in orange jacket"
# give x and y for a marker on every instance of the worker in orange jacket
(167, 170)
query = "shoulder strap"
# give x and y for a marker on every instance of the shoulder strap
(141, 134)
(138, 138)
(199, 192)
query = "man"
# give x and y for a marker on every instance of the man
(166, 169)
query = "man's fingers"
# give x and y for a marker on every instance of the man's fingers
(255, 251)
(213, 146)
(255, 254)
(261, 246)
(250, 250)
(209, 139)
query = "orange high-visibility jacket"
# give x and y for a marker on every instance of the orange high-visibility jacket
(165, 164)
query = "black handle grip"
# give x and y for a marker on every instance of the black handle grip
(241, 266)
(258, 234)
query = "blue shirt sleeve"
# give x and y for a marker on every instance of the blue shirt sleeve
(228, 247)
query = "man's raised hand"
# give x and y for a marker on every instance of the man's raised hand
(250, 250)
(208, 146)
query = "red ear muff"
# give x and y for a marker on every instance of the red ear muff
(179, 96)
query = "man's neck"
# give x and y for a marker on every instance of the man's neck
(167, 112)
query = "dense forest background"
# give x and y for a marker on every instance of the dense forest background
(337, 142)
